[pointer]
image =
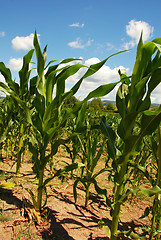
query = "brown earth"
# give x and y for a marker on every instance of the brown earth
(63, 219)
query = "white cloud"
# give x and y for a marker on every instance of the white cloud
(89, 42)
(103, 76)
(134, 29)
(2, 34)
(2, 79)
(15, 64)
(155, 97)
(23, 43)
(77, 24)
(78, 43)
(110, 46)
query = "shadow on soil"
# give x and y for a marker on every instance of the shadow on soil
(57, 231)
(9, 198)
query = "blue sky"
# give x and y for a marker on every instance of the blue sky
(88, 29)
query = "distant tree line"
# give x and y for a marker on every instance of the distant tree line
(96, 104)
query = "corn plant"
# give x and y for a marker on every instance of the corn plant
(156, 209)
(133, 101)
(87, 146)
(50, 116)
(152, 172)
(42, 108)
(20, 97)
(5, 125)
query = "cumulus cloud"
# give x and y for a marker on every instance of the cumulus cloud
(78, 43)
(2, 34)
(155, 97)
(134, 29)
(2, 79)
(104, 76)
(23, 43)
(110, 46)
(77, 24)
(15, 64)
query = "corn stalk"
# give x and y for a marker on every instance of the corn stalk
(133, 101)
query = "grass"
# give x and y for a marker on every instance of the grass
(25, 233)
(4, 218)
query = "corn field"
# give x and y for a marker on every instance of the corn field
(34, 118)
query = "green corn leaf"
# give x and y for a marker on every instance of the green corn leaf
(96, 158)
(67, 60)
(157, 42)
(142, 71)
(75, 186)
(68, 169)
(51, 69)
(75, 189)
(56, 144)
(101, 192)
(139, 92)
(126, 125)
(95, 67)
(130, 234)
(4, 132)
(6, 185)
(81, 117)
(150, 121)
(146, 173)
(101, 91)
(4, 88)
(137, 70)
(32, 84)
(155, 80)
(49, 87)
(31, 194)
(148, 192)
(37, 123)
(46, 198)
(6, 74)
(146, 212)
(68, 72)
(39, 104)
(64, 170)
(101, 224)
(40, 66)
(39, 56)
(121, 99)
(24, 73)
(110, 134)
(44, 53)
(100, 172)
(151, 192)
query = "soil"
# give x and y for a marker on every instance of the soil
(63, 219)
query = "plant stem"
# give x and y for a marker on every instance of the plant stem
(116, 210)
(1, 151)
(155, 203)
(156, 219)
(40, 190)
(159, 184)
(18, 165)
(7, 150)
(87, 195)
